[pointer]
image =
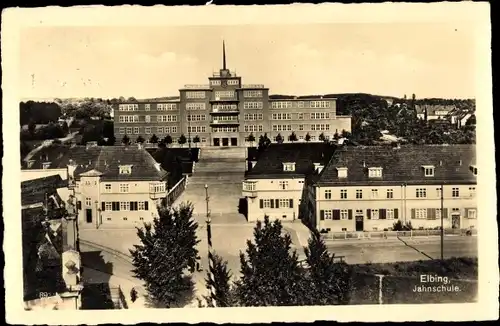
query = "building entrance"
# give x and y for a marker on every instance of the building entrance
(216, 141)
(234, 141)
(359, 223)
(88, 215)
(225, 141)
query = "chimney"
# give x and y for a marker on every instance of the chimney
(364, 164)
(318, 167)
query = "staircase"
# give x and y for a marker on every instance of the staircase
(222, 169)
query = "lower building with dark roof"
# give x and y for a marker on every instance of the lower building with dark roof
(370, 188)
(113, 185)
(274, 186)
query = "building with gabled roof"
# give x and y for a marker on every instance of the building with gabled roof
(274, 185)
(370, 188)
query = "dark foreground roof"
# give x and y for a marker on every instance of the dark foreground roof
(270, 161)
(104, 159)
(404, 165)
(33, 191)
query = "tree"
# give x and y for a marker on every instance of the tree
(223, 296)
(271, 275)
(279, 138)
(140, 140)
(308, 137)
(167, 247)
(264, 142)
(168, 140)
(153, 139)
(132, 99)
(182, 140)
(322, 137)
(251, 138)
(330, 280)
(196, 139)
(292, 137)
(111, 140)
(125, 140)
(336, 136)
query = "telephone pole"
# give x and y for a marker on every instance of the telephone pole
(442, 223)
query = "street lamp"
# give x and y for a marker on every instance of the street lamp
(210, 257)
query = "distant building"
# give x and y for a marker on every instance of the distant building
(114, 185)
(274, 186)
(434, 112)
(370, 188)
(225, 112)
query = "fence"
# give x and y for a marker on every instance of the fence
(177, 190)
(388, 289)
(395, 234)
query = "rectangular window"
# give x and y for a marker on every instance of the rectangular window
(147, 107)
(253, 105)
(107, 187)
(147, 130)
(471, 213)
(374, 172)
(374, 193)
(124, 187)
(421, 213)
(252, 93)
(267, 203)
(283, 185)
(472, 191)
(438, 213)
(300, 116)
(88, 201)
(328, 194)
(195, 106)
(343, 194)
(375, 214)
(429, 171)
(421, 193)
(129, 130)
(328, 214)
(344, 214)
(390, 193)
(121, 131)
(455, 192)
(136, 130)
(284, 203)
(389, 214)
(198, 94)
(108, 206)
(301, 128)
(359, 194)
(124, 206)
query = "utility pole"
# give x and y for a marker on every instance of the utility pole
(442, 219)
(189, 130)
(210, 256)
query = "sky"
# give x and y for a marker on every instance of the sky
(391, 59)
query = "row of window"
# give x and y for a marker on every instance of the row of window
(195, 106)
(392, 213)
(253, 105)
(252, 93)
(320, 127)
(125, 206)
(147, 107)
(281, 116)
(225, 118)
(166, 118)
(253, 128)
(128, 118)
(197, 129)
(128, 107)
(300, 104)
(147, 130)
(195, 94)
(196, 117)
(217, 82)
(282, 127)
(224, 94)
(276, 203)
(253, 116)
(419, 193)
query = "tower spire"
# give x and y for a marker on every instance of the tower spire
(223, 55)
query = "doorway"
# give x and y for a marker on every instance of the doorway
(234, 141)
(88, 215)
(455, 221)
(359, 223)
(216, 141)
(225, 141)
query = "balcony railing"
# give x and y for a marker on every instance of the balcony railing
(225, 110)
(225, 122)
(249, 193)
(218, 74)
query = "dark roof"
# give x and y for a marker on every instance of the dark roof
(270, 161)
(105, 159)
(33, 191)
(401, 165)
(431, 109)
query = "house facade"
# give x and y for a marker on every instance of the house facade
(113, 185)
(370, 188)
(274, 186)
(225, 112)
